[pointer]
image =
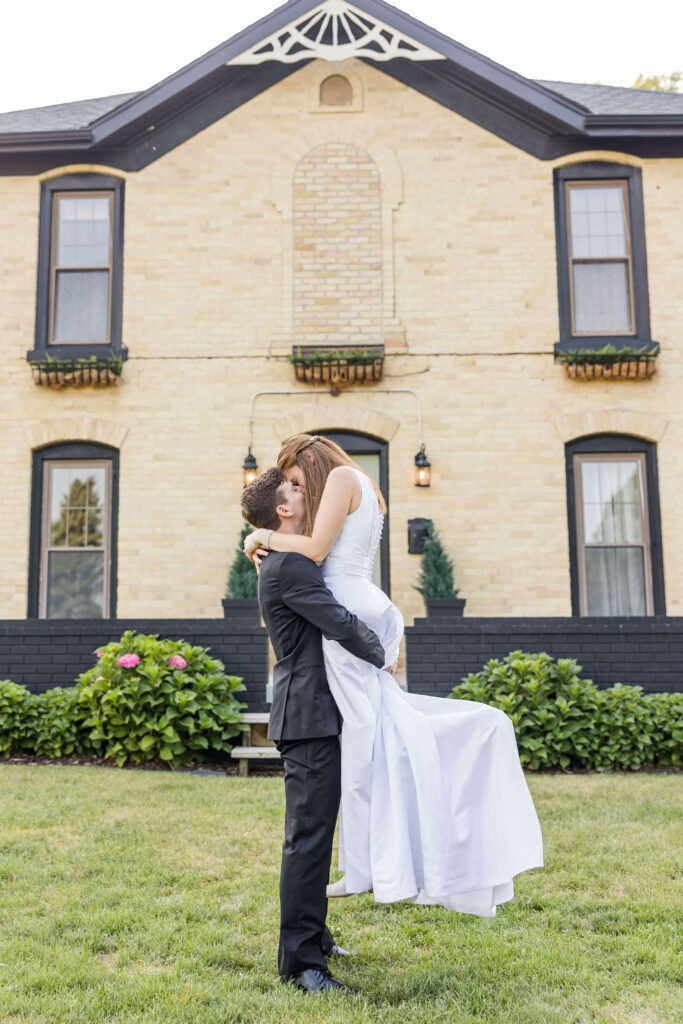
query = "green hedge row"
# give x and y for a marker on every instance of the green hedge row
(564, 721)
(145, 698)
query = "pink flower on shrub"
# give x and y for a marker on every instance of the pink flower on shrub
(99, 654)
(128, 660)
(176, 661)
(99, 679)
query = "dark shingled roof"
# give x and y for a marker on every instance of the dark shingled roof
(62, 116)
(613, 99)
(596, 99)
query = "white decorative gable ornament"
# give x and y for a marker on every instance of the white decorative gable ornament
(335, 30)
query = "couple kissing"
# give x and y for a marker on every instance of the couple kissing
(431, 796)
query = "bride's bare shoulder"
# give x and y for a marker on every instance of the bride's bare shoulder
(343, 473)
(344, 478)
(343, 481)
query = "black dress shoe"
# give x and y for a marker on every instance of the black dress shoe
(338, 951)
(313, 980)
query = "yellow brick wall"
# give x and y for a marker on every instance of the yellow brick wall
(468, 279)
(337, 248)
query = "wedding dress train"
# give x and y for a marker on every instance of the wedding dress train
(435, 807)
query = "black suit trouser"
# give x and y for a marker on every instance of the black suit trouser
(312, 792)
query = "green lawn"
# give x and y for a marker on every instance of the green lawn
(151, 898)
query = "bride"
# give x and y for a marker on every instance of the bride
(434, 806)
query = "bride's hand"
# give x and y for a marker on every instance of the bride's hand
(391, 669)
(254, 541)
(258, 557)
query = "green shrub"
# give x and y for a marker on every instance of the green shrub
(435, 577)
(624, 725)
(564, 721)
(154, 710)
(17, 711)
(553, 710)
(667, 727)
(57, 728)
(242, 578)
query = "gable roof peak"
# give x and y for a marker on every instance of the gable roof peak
(335, 30)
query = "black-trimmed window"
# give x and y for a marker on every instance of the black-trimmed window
(80, 268)
(601, 258)
(74, 511)
(615, 542)
(372, 455)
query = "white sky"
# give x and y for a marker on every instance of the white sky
(55, 52)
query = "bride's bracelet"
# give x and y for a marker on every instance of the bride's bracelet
(266, 542)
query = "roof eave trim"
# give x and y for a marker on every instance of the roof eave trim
(31, 142)
(636, 124)
(146, 102)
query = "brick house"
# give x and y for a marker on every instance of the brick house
(504, 256)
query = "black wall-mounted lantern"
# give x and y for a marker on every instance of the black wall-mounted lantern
(422, 468)
(249, 469)
(417, 534)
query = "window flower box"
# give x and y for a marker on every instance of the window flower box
(338, 367)
(59, 373)
(609, 363)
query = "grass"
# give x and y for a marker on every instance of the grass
(151, 898)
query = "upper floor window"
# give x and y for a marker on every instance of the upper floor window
(600, 257)
(81, 267)
(73, 532)
(80, 263)
(614, 523)
(602, 266)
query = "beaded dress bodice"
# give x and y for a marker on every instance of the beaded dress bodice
(353, 552)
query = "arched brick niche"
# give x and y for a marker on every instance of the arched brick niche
(337, 220)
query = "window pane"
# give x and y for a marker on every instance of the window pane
(601, 298)
(95, 532)
(84, 227)
(75, 584)
(76, 534)
(76, 506)
(615, 581)
(611, 501)
(82, 306)
(60, 482)
(96, 478)
(598, 222)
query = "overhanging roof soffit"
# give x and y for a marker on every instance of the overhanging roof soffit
(335, 30)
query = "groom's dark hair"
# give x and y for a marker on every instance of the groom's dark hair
(261, 498)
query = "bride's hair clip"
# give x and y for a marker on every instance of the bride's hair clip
(311, 439)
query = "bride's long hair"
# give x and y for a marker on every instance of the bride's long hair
(316, 457)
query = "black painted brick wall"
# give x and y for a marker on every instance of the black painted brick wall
(41, 653)
(640, 651)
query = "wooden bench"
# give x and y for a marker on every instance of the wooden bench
(256, 746)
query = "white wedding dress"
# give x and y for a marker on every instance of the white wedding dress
(435, 807)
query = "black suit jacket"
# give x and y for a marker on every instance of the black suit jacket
(299, 610)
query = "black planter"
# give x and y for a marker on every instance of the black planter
(241, 608)
(445, 607)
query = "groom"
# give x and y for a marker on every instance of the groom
(299, 610)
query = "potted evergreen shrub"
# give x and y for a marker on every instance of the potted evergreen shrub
(241, 593)
(435, 579)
